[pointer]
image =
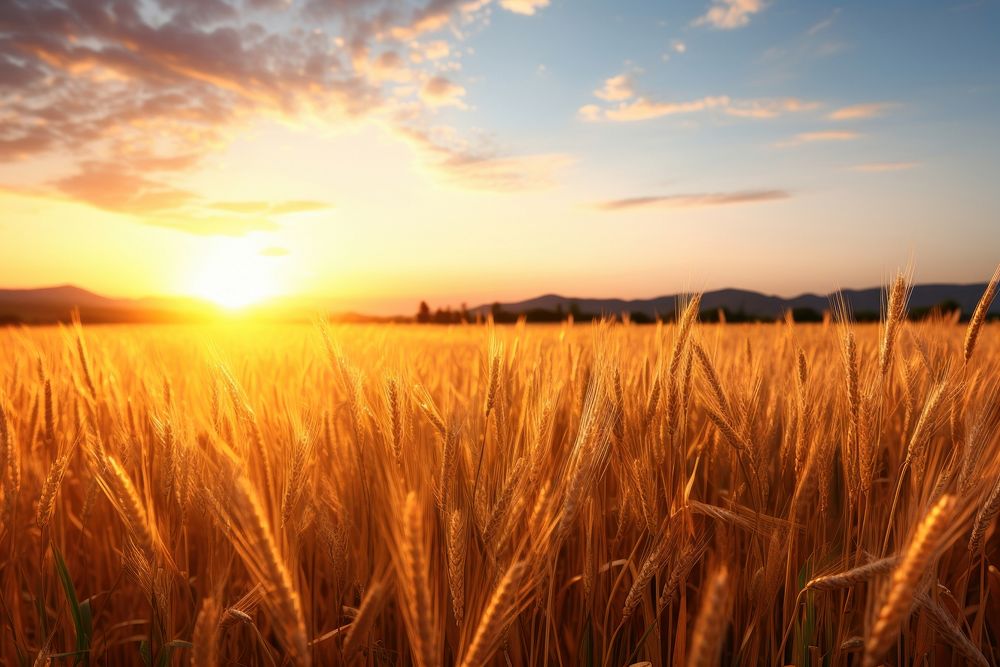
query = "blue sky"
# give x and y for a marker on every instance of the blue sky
(377, 152)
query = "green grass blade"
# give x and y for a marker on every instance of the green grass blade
(82, 620)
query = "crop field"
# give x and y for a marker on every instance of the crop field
(591, 494)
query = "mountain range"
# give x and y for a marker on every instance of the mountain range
(754, 304)
(54, 304)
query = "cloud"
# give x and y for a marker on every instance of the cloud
(525, 7)
(210, 225)
(129, 92)
(616, 88)
(819, 27)
(632, 107)
(696, 200)
(819, 136)
(438, 91)
(434, 50)
(861, 111)
(483, 167)
(677, 46)
(120, 189)
(273, 251)
(769, 108)
(504, 173)
(390, 66)
(109, 187)
(590, 113)
(729, 14)
(645, 109)
(879, 167)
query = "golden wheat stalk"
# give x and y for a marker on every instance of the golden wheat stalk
(46, 502)
(205, 637)
(979, 315)
(948, 628)
(984, 517)
(122, 493)
(856, 575)
(650, 566)
(495, 618)
(905, 577)
(712, 621)
(684, 563)
(501, 508)
(456, 563)
(898, 294)
(416, 583)
(369, 610)
(261, 556)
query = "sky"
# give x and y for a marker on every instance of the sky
(372, 154)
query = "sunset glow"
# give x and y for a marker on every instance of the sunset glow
(234, 276)
(387, 152)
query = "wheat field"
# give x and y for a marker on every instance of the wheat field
(599, 494)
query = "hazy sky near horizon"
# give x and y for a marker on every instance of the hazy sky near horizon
(475, 150)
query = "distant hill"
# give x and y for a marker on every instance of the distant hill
(46, 305)
(751, 304)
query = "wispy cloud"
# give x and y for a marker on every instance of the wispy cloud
(729, 14)
(693, 200)
(861, 111)
(616, 88)
(879, 167)
(818, 137)
(642, 108)
(152, 201)
(483, 167)
(120, 190)
(526, 7)
(770, 108)
(439, 91)
(820, 26)
(645, 109)
(390, 66)
(433, 50)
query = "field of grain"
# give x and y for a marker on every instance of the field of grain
(603, 494)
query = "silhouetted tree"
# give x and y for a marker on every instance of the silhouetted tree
(424, 312)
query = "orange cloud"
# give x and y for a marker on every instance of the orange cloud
(696, 200)
(108, 187)
(616, 88)
(861, 111)
(525, 7)
(484, 168)
(644, 109)
(438, 91)
(590, 113)
(729, 14)
(764, 109)
(819, 136)
(433, 50)
(621, 88)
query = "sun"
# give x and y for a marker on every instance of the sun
(235, 276)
